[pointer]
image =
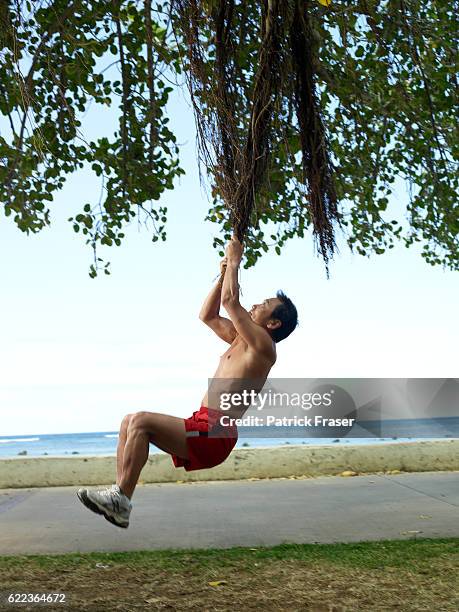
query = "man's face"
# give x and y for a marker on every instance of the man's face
(261, 313)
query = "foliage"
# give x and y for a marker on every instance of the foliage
(385, 77)
(56, 59)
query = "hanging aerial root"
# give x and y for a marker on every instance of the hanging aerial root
(237, 136)
(317, 167)
(268, 84)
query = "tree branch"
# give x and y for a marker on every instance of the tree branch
(124, 77)
(150, 81)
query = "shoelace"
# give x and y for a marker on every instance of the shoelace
(109, 493)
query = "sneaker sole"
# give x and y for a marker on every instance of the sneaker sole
(84, 499)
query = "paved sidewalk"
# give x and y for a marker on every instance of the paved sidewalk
(236, 513)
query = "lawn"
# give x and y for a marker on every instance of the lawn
(390, 575)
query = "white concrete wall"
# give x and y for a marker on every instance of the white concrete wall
(291, 460)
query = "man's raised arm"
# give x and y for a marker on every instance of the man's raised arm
(210, 311)
(255, 336)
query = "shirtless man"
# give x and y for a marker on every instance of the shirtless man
(252, 336)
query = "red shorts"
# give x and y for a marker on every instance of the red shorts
(206, 451)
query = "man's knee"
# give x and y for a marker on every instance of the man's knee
(140, 420)
(126, 420)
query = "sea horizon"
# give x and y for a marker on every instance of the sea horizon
(104, 443)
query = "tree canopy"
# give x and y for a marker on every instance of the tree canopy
(384, 84)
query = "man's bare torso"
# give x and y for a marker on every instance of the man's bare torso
(242, 363)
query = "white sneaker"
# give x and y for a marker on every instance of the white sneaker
(111, 503)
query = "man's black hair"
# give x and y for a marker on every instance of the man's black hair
(286, 313)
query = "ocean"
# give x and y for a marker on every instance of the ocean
(104, 442)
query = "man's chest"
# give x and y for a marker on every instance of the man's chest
(234, 353)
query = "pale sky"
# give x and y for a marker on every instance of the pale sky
(77, 354)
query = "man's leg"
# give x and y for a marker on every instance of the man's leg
(167, 432)
(120, 449)
(136, 432)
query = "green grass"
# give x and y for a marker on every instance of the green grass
(368, 555)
